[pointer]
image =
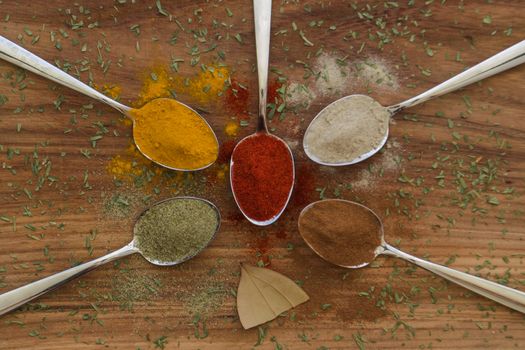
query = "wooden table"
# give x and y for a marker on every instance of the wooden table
(464, 149)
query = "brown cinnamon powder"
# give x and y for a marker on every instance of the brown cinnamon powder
(342, 232)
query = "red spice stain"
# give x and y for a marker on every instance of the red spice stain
(281, 234)
(226, 151)
(273, 94)
(304, 191)
(262, 244)
(279, 228)
(237, 97)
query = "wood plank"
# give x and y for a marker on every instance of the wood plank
(420, 310)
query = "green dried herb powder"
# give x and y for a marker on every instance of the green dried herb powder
(176, 229)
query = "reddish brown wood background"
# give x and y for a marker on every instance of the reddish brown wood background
(442, 315)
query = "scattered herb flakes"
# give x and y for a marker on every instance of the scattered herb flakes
(162, 341)
(359, 341)
(200, 328)
(160, 9)
(305, 39)
(325, 307)
(261, 335)
(492, 200)
(238, 37)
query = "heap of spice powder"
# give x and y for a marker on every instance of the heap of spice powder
(262, 176)
(347, 129)
(176, 229)
(173, 135)
(341, 232)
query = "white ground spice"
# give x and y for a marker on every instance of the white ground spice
(388, 161)
(299, 95)
(333, 75)
(375, 72)
(345, 130)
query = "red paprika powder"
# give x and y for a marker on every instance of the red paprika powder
(262, 176)
(237, 97)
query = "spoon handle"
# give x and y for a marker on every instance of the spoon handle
(500, 62)
(17, 297)
(19, 56)
(262, 13)
(512, 298)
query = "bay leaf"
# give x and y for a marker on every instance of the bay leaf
(264, 294)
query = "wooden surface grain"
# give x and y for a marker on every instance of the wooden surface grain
(476, 134)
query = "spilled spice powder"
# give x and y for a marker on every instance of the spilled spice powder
(225, 151)
(342, 232)
(237, 97)
(207, 86)
(231, 129)
(262, 176)
(155, 85)
(111, 90)
(129, 287)
(273, 91)
(304, 185)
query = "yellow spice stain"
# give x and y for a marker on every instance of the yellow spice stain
(207, 86)
(155, 85)
(231, 129)
(112, 90)
(222, 171)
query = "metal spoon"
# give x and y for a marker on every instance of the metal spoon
(19, 56)
(262, 11)
(17, 297)
(500, 62)
(512, 298)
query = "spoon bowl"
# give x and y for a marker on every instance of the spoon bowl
(19, 296)
(238, 200)
(21, 57)
(500, 62)
(203, 126)
(316, 126)
(328, 243)
(189, 256)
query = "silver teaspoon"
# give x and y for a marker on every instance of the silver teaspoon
(346, 107)
(262, 11)
(329, 243)
(17, 297)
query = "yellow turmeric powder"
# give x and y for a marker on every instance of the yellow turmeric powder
(173, 135)
(231, 129)
(157, 84)
(206, 86)
(112, 90)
